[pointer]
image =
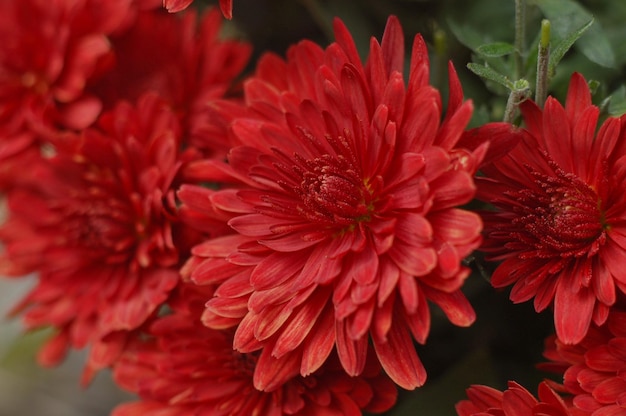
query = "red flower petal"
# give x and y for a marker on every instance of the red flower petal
(409, 372)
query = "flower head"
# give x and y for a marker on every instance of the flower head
(98, 225)
(593, 370)
(186, 368)
(49, 51)
(558, 226)
(515, 401)
(345, 210)
(54, 49)
(184, 59)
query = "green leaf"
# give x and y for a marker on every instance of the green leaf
(490, 74)
(466, 34)
(496, 49)
(566, 17)
(558, 52)
(617, 103)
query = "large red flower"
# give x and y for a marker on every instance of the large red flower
(98, 226)
(594, 370)
(559, 224)
(515, 401)
(345, 211)
(187, 368)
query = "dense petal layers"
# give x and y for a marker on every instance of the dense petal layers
(106, 110)
(515, 401)
(593, 370)
(49, 52)
(186, 368)
(98, 54)
(99, 227)
(559, 217)
(43, 72)
(184, 59)
(344, 210)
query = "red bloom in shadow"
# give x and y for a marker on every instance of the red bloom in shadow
(515, 401)
(593, 370)
(48, 53)
(345, 205)
(67, 61)
(182, 58)
(98, 225)
(559, 220)
(186, 368)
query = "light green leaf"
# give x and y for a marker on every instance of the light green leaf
(558, 52)
(490, 74)
(466, 34)
(566, 17)
(496, 49)
(617, 103)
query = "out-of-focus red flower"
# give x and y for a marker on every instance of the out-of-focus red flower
(559, 225)
(67, 61)
(187, 368)
(48, 53)
(184, 59)
(345, 210)
(593, 370)
(98, 225)
(173, 6)
(515, 401)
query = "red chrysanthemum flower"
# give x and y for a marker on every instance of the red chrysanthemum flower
(187, 368)
(98, 226)
(174, 6)
(559, 220)
(345, 211)
(593, 370)
(49, 50)
(515, 401)
(184, 59)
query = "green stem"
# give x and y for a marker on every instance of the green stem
(516, 97)
(543, 61)
(520, 36)
(440, 42)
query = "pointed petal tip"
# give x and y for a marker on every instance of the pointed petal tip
(226, 6)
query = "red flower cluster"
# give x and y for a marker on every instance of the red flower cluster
(276, 253)
(107, 112)
(558, 227)
(332, 223)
